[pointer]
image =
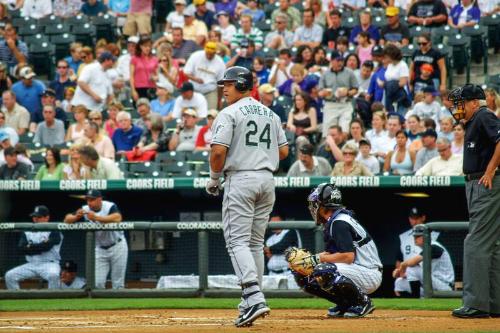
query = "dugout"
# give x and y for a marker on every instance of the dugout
(381, 204)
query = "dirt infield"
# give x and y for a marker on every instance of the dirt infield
(208, 321)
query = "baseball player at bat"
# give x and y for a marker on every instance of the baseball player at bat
(247, 144)
(349, 269)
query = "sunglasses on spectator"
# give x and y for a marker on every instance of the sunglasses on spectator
(349, 153)
(279, 22)
(423, 43)
(95, 118)
(443, 150)
(62, 67)
(163, 60)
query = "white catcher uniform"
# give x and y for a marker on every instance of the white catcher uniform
(253, 134)
(42, 256)
(111, 250)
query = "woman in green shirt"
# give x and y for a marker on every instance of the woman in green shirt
(53, 168)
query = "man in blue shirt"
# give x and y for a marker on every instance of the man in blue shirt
(12, 50)
(94, 8)
(28, 90)
(375, 91)
(127, 135)
(365, 24)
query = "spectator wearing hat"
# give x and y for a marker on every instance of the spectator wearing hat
(175, 19)
(12, 50)
(48, 98)
(394, 31)
(280, 38)
(194, 29)
(94, 8)
(204, 138)
(13, 136)
(204, 14)
(366, 158)
(13, 169)
(163, 104)
(429, 107)
(139, 18)
(337, 86)
(308, 165)
(244, 56)
(144, 111)
(94, 88)
(247, 32)
(445, 164)
(203, 69)
(428, 13)
(69, 280)
(293, 14)
(429, 149)
(375, 91)
(227, 29)
(424, 80)
(111, 249)
(42, 254)
(123, 62)
(267, 97)
(6, 142)
(28, 90)
(189, 99)
(186, 132)
(99, 167)
(16, 116)
(50, 131)
(62, 81)
(127, 135)
(143, 69)
(309, 33)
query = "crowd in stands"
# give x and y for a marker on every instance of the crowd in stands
(352, 100)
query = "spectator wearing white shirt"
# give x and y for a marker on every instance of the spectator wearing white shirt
(189, 99)
(186, 133)
(94, 87)
(366, 158)
(36, 8)
(309, 33)
(123, 63)
(428, 108)
(175, 19)
(204, 68)
(280, 72)
(446, 164)
(378, 135)
(281, 37)
(227, 30)
(14, 137)
(488, 7)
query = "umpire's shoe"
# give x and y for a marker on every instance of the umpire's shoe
(359, 311)
(251, 314)
(465, 312)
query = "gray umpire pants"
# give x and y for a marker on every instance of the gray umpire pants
(481, 275)
(248, 200)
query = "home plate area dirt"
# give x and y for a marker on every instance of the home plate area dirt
(208, 321)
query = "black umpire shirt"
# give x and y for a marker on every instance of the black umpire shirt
(482, 132)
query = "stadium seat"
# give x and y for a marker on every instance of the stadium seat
(26, 138)
(417, 31)
(143, 169)
(22, 21)
(493, 81)
(264, 25)
(170, 157)
(62, 44)
(50, 20)
(37, 158)
(105, 27)
(176, 169)
(29, 30)
(478, 44)
(57, 29)
(270, 7)
(201, 156)
(492, 23)
(379, 21)
(84, 33)
(350, 22)
(41, 57)
(460, 45)
(36, 39)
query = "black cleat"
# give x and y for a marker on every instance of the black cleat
(251, 314)
(336, 311)
(359, 311)
(465, 312)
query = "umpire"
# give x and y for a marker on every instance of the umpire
(481, 277)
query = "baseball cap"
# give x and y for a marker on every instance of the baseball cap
(190, 112)
(212, 113)
(165, 85)
(27, 73)
(222, 12)
(427, 67)
(335, 55)
(133, 39)
(418, 230)
(307, 149)
(40, 211)
(69, 266)
(377, 51)
(49, 92)
(414, 211)
(106, 56)
(266, 88)
(189, 11)
(180, 2)
(4, 136)
(430, 90)
(199, 2)
(142, 101)
(429, 132)
(93, 194)
(211, 47)
(187, 86)
(391, 11)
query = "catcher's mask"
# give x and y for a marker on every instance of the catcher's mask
(325, 195)
(459, 96)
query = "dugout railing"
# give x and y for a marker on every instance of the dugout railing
(427, 262)
(203, 230)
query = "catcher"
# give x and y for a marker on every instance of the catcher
(350, 267)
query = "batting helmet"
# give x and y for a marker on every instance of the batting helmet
(459, 95)
(242, 77)
(325, 195)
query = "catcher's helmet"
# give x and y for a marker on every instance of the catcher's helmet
(242, 77)
(459, 95)
(325, 195)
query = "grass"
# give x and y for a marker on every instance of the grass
(208, 303)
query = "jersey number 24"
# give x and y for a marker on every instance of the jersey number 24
(252, 133)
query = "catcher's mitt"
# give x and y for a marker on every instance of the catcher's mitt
(301, 260)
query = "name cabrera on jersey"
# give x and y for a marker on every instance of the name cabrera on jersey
(408, 249)
(342, 233)
(40, 237)
(252, 132)
(105, 238)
